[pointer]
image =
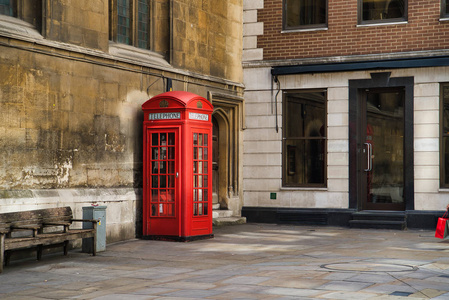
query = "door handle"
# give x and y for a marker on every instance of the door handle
(369, 156)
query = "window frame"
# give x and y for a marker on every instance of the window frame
(134, 21)
(360, 20)
(443, 13)
(303, 27)
(286, 152)
(442, 136)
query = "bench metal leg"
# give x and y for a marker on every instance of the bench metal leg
(94, 239)
(7, 257)
(2, 251)
(66, 248)
(39, 251)
(94, 246)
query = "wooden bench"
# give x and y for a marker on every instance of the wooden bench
(41, 228)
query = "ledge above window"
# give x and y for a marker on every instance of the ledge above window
(137, 54)
(17, 27)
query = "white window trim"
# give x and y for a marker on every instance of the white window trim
(304, 30)
(382, 24)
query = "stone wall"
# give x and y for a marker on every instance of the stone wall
(207, 37)
(69, 127)
(69, 123)
(70, 101)
(82, 23)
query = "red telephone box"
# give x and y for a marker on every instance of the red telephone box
(177, 167)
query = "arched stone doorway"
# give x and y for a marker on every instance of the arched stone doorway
(228, 122)
(215, 159)
(220, 159)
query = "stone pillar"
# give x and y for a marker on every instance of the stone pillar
(251, 29)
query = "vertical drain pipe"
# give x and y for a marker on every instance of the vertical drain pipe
(272, 98)
(275, 79)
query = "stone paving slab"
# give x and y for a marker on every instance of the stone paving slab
(248, 261)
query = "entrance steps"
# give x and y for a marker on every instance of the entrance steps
(379, 220)
(222, 217)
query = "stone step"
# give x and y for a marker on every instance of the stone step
(379, 215)
(377, 224)
(379, 220)
(228, 221)
(221, 213)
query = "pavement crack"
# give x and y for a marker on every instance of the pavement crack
(402, 281)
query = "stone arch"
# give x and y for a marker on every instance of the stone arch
(220, 118)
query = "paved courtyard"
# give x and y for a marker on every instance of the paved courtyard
(250, 261)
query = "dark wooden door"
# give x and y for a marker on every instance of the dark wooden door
(215, 156)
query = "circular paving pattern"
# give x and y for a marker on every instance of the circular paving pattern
(361, 266)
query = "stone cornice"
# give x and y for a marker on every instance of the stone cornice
(345, 59)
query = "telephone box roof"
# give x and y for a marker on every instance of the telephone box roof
(183, 99)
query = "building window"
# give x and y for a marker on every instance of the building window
(130, 22)
(29, 11)
(304, 14)
(304, 138)
(143, 23)
(124, 21)
(7, 7)
(444, 8)
(444, 145)
(382, 11)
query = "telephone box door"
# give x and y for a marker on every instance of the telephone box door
(161, 200)
(202, 182)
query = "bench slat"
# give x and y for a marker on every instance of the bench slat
(57, 223)
(36, 214)
(25, 227)
(47, 239)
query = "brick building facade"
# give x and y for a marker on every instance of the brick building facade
(344, 36)
(346, 111)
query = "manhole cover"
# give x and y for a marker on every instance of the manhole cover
(369, 267)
